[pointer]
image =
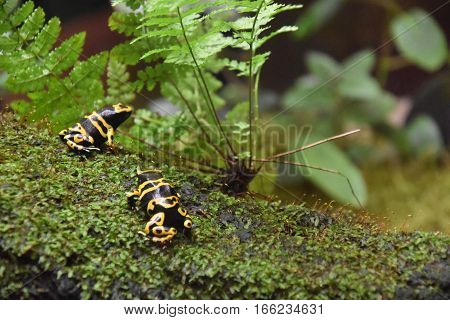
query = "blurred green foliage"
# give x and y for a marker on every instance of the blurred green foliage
(414, 32)
(419, 38)
(334, 97)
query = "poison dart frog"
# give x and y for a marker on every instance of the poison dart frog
(162, 204)
(95, 129)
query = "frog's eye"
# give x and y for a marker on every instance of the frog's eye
(188, 224)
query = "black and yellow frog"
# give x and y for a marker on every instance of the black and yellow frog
(95, 129)
(162, 204)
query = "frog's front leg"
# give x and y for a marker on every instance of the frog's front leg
(131, 196)
(78, 142)
(110, 137)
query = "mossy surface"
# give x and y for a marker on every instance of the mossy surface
(66, 231)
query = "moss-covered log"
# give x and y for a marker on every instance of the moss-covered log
(67, 232)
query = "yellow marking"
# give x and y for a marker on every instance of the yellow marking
(160, 184)
(188, 224)
(110, 129)
(119, 108)
(96, 125)
(160, 231)
(81, 128)
(73, 145)
(77, 138)
(134, 193)
(163, 202)
(163, 239)
(182, 211)
(156, 219)
(99, 117)
(143, 184)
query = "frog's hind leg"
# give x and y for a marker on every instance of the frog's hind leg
(79, 142)
(163, 234)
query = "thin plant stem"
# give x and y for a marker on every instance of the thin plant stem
(313, 144)
(211, 103)
(192, 112)
(299, 164)
(251, 90)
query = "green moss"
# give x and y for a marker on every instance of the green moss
(66, 231)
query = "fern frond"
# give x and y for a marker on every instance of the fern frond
(58, 85)
(46, 38)
(124, 23)
(185, 42)
(118, 79)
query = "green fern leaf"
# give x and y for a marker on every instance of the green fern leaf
(59, 87)
(126, 24)
(19, 16)
(119, 87)
(284, 29)
(46, 38)
(32, 25)
(64, 56)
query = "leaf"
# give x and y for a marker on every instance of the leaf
(283, 29)
(359, 86)
(419, 38)
(64, 56)
(46, 38)
(329, 156)
(57, 85)
(238, 113)
(203, 48)
(22, 13)
(316, 15)
(424, 137)
(361, 62)
(322, 65)
(119, 87)
(91, 68)
(125, 23)
(310, 94)
(32, 25)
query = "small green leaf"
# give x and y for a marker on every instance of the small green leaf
(420, 39)
(283, 29)
(65, 56)
(322, 65)
(360, 86)
(309, 94)
(22, 13)
(238, 114)
(361, 62)
(32, 25)
(424, 137)
(46, 38)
